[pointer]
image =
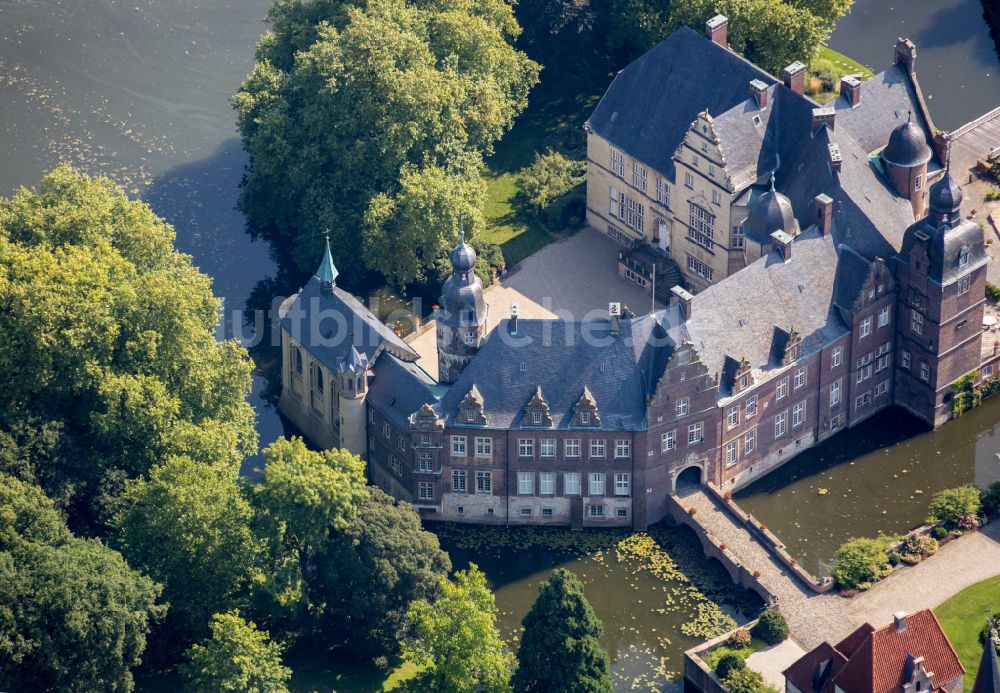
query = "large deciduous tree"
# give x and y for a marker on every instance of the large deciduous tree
(73, 615)
(455, 639)
(237, 658)
(352, 100)
(109, 354)
(559, 651)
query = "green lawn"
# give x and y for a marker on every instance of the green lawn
(963, 616)
(553, 119)
(346, 677)
(840, 65)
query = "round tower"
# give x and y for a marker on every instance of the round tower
(905, 158)
(770, 212)
(461, 320)
(352, 386)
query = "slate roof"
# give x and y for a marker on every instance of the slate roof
(737, 317)
(945, 245)
(563, 357)
(852, 271)
(650, 104)
(748, 138)
(329, 324)
(398, 388)
(988, 675)
(814, 671)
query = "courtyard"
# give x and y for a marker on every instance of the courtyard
(575, 277)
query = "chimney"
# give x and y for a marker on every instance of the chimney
(513, 319)
(716, 29)
(758, 90)
(899, 619)
(850, 88)
(906, 54)
(823, 116)
(783, 243)
(835, 158)
(824, 213)
(683, 300)
(614, 314)
(795, 77)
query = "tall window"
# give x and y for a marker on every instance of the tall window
(458, 480)
(621, 484)
(596, 487)
(547, 483)
(571, 447)
(782, 389)
(882, 357)
(866, 327)
(963, 256)
(617, 204)
(689, 180)
(698, 267)
(798, 414)
(525, 447)
(883, 317)
(623, 449)
(525, 483)
(617, 163)
(425, 463)
(696, 433)
(571, 483)
(835, 393)
(547, 447)
(639, 176)
(668, 441)
(597, 448)
(964, 283)
(800, 377)
(484, 482)
(458, 446)
(425, 490)
(635, 215)
(701, 229)
(663, 192)
(739, 238)
(731, 452)
(751, 406)
(838, 355)
(925, 372)
(749, 441)
(732, 417)
(781, 424)
(681, 407)
(916, 322)
(484, 447)
(904, 359)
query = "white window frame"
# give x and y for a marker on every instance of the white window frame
(618, 163)
(639, 176)
(964, 284)
(546, 483)
(883, 316)
(696, 433)
(835, 392)
(484, 447)
(916, 322)
(458, 481)
(780, 424)
(425, 462)
(781, 390)
(925, 372)
(596, 485)
(749, 441)
(525, 447)
(798, 414)
(571, 448)
(623, 449)
(525, 483)
(668, 441)
(547, 447)
(799, 378)
(732, 417)
(458, 446)
(622, 484)
(597, 449)
(732, 452)
(681, 407)
(865, 327)
(751, 406)
(484, 482)
(571, 483)
(837, 358)
(425, 490)
(663, 192)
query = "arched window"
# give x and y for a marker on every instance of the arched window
(298, 360)
(319, 379)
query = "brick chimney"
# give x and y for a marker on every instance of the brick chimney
(758, 90)
(683, 300)
(716, 29)
(795, 77)
(783, 244)
(850, 88)
(823, 116)
(835, 158)
(906, 54)
(823, 206)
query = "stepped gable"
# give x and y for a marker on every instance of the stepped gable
(561, 359)
(649, 105)
(398, 388)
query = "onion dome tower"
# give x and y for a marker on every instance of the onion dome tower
(905, 159)
(769, 213)
(461, 320)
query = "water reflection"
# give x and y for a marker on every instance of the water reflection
(878, 477)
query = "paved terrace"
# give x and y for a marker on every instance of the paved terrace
(573, 276)
(814, 618)
(971, 143)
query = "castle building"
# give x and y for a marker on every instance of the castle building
(843, 279)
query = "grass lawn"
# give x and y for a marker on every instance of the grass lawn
(553, 119)
(963, 616)
(713, 657)
(345, 677)
(840, 65)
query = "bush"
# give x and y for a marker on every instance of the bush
(739, 638)
(894, 558)
(993, 195)
(953, 506)
(992, 623)
(744, 681)
(939, 533)
(729, 663)
(860, 562)
(992, 292)
(772, 627)
(550, 177)
(918, 546)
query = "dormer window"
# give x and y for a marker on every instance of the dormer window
(585, 418)
(536, 418)
(963, 256)
(470, 415)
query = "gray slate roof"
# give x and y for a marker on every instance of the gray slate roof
(749, 144)
(650, 104)
(737, 317)
(398, 388)
(314, 320)
(562, 358)
(852, 271)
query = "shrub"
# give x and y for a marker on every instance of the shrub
(939, 533)
(744, 681)
(992, 292)
(772, 627)
(993, 195)
(953, 506)
(552, 176)
(895, 558)
(739, 638)
(992, 623)
(918, 546)
(860, 562)
(729, 663)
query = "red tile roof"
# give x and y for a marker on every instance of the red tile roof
(873, 661)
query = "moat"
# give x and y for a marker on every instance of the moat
(141, 91)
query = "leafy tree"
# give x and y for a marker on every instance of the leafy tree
(559, 649)
(828, 11)
(549, 176)
(109, 347)
(189, 527)
(350, 100)
(237, 658)
(370, 573)
(859, 563)
(455, 639)
(727, 663)
(406, 232)
(568, 37)
(27, 515)
(771, 627)
(953, 506)
(744, 680)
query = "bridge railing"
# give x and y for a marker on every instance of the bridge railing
(973, 124)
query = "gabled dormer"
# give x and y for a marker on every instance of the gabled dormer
(701, 151)
(585, 412)
(425, 419)
(736, 375)
(470, 410)
(536, 411)
(876, 285)
(785, 346)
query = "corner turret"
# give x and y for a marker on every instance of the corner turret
(461, 320)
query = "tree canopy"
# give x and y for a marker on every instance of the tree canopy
(355, 103)
(237, 658)
(456, 639)
(559, 651)
(109, 352)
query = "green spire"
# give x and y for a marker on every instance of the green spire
(327, 273)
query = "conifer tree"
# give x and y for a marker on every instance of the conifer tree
(560, 652)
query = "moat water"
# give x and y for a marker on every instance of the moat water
(140, 91)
